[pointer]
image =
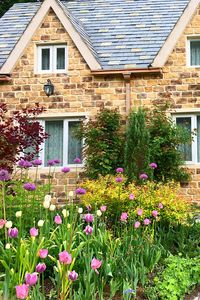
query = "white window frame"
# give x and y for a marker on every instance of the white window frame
(53, 59)
(65, 138)
(189, 40)
(194, 138)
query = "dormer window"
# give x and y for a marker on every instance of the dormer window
(194, 52)
(52, 59)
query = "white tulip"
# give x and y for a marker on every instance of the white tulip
(18, 214)
(68, 226)
(71, 194)
(7, 246)
(65, 213)
(52, 207)
(8, 224)
(47, 198)
(80, 210)
(99, 213)
(46, 203)
(40, 223)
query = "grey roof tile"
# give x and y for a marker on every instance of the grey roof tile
(119, 33)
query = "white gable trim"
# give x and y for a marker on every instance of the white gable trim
(35, 23)
(168, 46)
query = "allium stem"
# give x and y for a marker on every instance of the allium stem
(4, 206)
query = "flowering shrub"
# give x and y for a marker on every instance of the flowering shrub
(150, 200)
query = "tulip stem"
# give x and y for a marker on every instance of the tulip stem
(4, 207)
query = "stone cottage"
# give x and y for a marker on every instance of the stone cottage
(102, 53)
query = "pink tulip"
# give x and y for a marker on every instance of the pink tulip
(103, 208)
(40, 268)
(131, 196)
(154, 213)
(137, 224)
(89, 218)
(139, 212)
(65, 257)
(124, 217)
(31, 279)
(22, 291)
(147, 221)
(58, 220)
(43, 253)
(33, 232)
(2, 223)
(73, 276)
(160, 205)
(88, 229)
(96, 264)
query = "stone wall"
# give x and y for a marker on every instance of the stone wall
(80, 92)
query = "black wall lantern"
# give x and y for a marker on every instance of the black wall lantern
(48, 88)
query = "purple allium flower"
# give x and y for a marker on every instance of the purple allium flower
(51, 162)
(58, 220)
(4, 175)
(153, 165)
(22, 291)
(119, 170)
(89, 218)
(143, 176)
(43, 253)
(160, 205)
(80, 191)
(57, 161)
(24, 163)
(154, 213)
(147, 221)
(33, 231)
(37, 162)
(139, 211)
(137, 224)
(40, 268)
(31, 279)
(73, 276)
(77, 160)
(88, 230)
(13, 232)
(119, 179)
(124, 217)
(65, 170)
(29, 186)
(65, 258)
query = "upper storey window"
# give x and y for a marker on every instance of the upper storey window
(52, 59)
(194, 52)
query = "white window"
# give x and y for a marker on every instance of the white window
(190, 151)
(193, 55)
(52, 59)
(62, 142)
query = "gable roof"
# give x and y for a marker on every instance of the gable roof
(110, 34)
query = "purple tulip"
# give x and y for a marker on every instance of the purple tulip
(119, 179)
(33, 231)
(119, 170)
(153, 165)
(143, 176)
(29, 186)
(88, 230)
(31, 279)
(73, 276)
(13, 232)
(89, 218)
(40, 268)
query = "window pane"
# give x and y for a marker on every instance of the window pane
(45, 59)
(60, 59)
(54, 144)
(74, 144)
(186, 149)
(195, 53)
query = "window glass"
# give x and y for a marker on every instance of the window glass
(195, 53)
(60, 64)
(45, 59)
(74, 143)
(54, 143)
(186, 149)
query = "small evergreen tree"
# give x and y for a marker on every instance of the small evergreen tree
(137, 152)
(103, 144)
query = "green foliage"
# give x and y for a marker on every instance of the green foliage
(179, 277)
(137, 145)
(165, 137)
(103, 144)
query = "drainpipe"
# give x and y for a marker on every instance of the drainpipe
(127, 78)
